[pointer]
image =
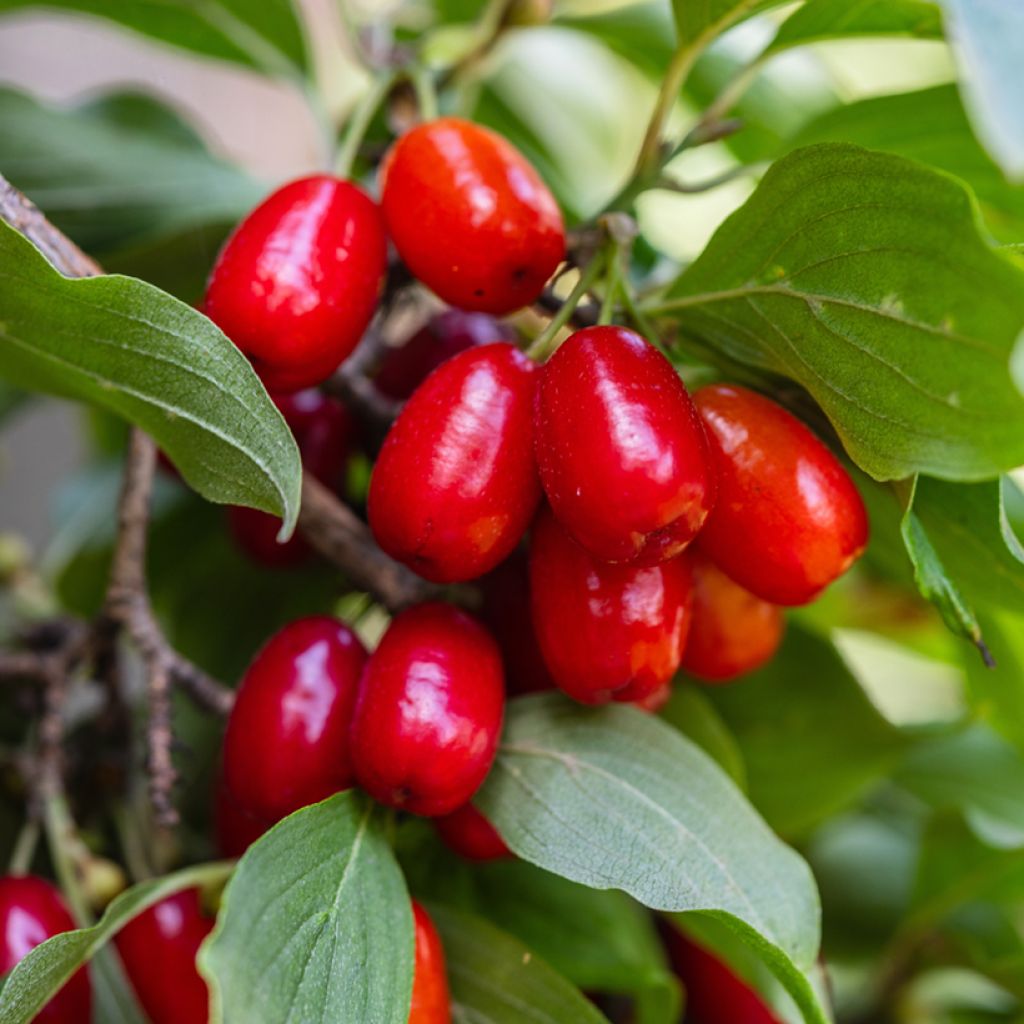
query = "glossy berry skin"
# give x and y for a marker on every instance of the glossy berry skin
(607, 632)
(32, 911)
(733, 632)
(234, 829)
(470, 217)
(286, 743)
(468, 833)
(789, 519)
(158, 949)
(431, 1003)
(446, 334)
(429, 713)
(455, 484)
(325, 432)
(714, 994)
(507, 614)
(297, 282)
(620, 449)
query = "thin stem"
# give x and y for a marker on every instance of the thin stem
(637, 316)
(426, 92)
(611, 288)
(734, 90)
(359, 123)
(741, 171)
(543, 344)
(62, 837)
(24, 848)
(132, 846)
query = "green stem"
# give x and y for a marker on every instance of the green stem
(611, 289)
(543, 343)
(62, 837)
(637, 317)
(426, 92)
(24, 848)
(132, 847)
(359, 123)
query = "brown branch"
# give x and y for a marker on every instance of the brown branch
(351, 383)
(343, 538)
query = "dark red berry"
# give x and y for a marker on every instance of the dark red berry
(447, 334)
(733, 632)
(429, 713)
(32, 911)
(607, 632)
(431, 1003)
(158, 949)
(455, 485)
(789, 519)
(324, 431)
(620, 448)
(470, 217)
(468, 832)
(297, 282)
(234, 829)
(286, 743)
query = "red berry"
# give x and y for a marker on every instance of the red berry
(468, 832)
(428, 717)
(620, 448)
(470, 217)
(324, 431)
(297, 282)
(158, 949)
(607, 632)
(286, 743)
(455, 484)
(656, 699)
(431, 1003)
(789, 519)
(32, 911)
(445, 335)
(714, 994)
(235, 830)
(733, 632)
(506, 613)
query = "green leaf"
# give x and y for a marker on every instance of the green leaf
(315, 925)
(494, 979)
(130, 348)
(691, 711)
(118, 171)
(838, 273)
(929, 126)
(44, 971)
(817, 20)
(601, 941)
(641, 33)
(977, 772)
(265, 35)
(701, 21)
(997, 693)
(811, 738)
(988, 36)
(616, 799)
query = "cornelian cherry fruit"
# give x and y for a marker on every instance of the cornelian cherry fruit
(297, 282)
(158, 949)
(468, 833)
(455, 484)
(470, 217)
(444, 335)
(429, 711)
(32, 911)
(789, 519)
(325, 432)
(286, 743)
(607, 632)
(431, 1003)
(620, 449)
(733, 632)
(235, 830)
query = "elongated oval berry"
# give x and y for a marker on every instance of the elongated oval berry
(324, 431)
(607, 632)
(235, 830)
(158, 949)
(297, 282)
(444, 335)
(429, 712)
(286, 743)
(620, 449)
(733, 632)
(32, 911)
(468, 833)
(455, 485)
(789, 519)
(470, 217)
(431, 1002)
